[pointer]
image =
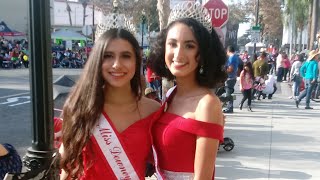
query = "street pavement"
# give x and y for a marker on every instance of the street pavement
(15, 106)
(275, 141)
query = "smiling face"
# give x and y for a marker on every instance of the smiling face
(181, 51)
(119, 63)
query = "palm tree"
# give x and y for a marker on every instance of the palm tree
(301, 16)
(69, 12)
(163, 7)
(84, 4)
(314, 24)
(299, 13)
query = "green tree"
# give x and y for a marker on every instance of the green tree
(269, 19)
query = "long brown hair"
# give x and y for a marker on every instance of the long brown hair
(85, 102)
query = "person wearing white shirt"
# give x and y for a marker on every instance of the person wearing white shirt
(295, 76)
(280, 62)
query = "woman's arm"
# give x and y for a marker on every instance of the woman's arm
(208, 110)
(242, 80)
(63, 174)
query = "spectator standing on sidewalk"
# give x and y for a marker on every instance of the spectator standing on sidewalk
(260, 70)
(286, 67)
(232, 69)
(280, 66)
(246, 83)
(295, 76)
(309, 71)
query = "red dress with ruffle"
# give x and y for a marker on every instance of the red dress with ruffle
(174, 138)
(136, 141)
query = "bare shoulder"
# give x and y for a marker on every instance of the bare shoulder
(209, 109)
(148, 105)
(3, 150)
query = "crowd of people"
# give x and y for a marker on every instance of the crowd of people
(261, 74)
(13, 53)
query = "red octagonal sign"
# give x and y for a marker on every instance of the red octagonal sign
(219, 12)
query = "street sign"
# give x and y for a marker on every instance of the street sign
(87, 30)
(255, 37)
(255, 34)
(219, 12)
(255, 28)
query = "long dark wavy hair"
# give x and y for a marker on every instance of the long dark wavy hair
(212, 54)
(85, 102)
(249, 65)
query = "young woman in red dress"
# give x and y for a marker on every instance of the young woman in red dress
(106, 121)
(187, 135)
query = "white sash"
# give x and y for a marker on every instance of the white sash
(160, 175)
(113, 151)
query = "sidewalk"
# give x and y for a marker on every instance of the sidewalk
(276, 141)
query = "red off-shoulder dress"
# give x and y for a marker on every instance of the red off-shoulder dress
(174, 138)
(135, 140)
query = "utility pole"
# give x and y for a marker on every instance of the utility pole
(93, 29)
(257, 21)
(292, 28)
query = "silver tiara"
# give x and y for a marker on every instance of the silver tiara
(190, 9)
(113, 21)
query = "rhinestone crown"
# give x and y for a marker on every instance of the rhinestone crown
(113, 21)
(190, 9)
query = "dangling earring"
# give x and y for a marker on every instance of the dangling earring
(201, 71)
(165, 66)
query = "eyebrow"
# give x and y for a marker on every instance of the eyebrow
(122, 52)
(187, 41)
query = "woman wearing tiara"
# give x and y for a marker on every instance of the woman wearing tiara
(187, 135)
(106, 120)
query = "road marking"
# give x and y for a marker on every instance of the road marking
(2, 97)
(20, 103)
(15, 100)
(57, 109)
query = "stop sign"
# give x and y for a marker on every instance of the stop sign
(219, 12)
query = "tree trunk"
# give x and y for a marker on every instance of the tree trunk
(163, 7)
(314, 24)
(84, 15)
(69, 12)
(300, 41)
(309, 25)
(315, 18)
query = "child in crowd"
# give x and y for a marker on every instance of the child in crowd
(271, 87)
(246, 84)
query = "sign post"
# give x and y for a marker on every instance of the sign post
(219, 12)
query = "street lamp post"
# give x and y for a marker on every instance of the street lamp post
(143, 19)
(93, 21)
(41, 159)
(257, 20)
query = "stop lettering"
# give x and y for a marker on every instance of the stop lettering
(219, 12)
